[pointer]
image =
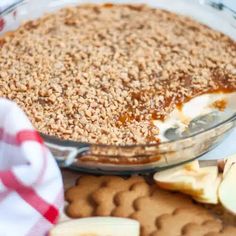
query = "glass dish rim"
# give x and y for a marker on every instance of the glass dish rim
(69, 142)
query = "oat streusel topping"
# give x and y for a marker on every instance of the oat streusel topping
(101, 74)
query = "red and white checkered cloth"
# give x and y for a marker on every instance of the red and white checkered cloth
(31, 190)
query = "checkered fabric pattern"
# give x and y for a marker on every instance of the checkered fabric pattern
(31, 190)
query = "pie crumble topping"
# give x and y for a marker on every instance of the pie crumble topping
(103, 73)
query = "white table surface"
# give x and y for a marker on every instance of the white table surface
(229, 3)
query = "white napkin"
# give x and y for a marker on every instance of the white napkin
(31, 190)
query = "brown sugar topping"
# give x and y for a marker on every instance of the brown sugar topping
(220, 104)
(101, 74)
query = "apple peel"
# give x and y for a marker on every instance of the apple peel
(229, 161)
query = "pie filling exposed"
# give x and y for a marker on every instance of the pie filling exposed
(104, 74)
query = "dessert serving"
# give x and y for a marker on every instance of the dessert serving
(106, 73)
(133, 90)
(126, 88)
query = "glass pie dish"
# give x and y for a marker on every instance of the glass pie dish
(107, 159)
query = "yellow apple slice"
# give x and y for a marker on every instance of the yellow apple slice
(97, 226)
(192, 166)
(210, 195)
(227, 189)
(201, 183)
(190, 181)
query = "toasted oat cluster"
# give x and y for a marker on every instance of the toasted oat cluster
(103, 73)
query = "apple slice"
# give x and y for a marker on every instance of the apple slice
(201, 183)
(228, 162)
(227, 189)
(192, 166)
(210, 195)
(99, 226)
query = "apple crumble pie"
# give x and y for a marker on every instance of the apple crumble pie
(103, 73)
